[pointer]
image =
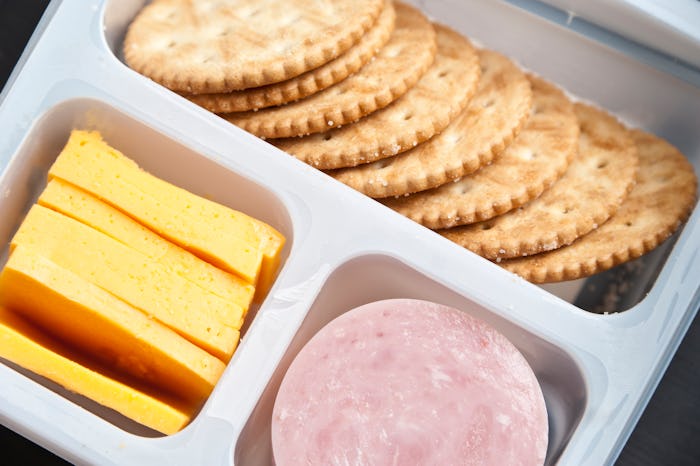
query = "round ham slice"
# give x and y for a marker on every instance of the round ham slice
(401, 382)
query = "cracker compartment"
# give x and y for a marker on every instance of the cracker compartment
(598, 346)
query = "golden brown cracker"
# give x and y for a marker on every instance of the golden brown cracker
(659, 203)
(537, 157)
(593, 187)
(307, 83)
(491, 120)
(224, 45)
(425, 110)
(395, 69)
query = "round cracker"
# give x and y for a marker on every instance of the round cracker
(224, 45)
(395, 69)
(537, 157)
(656, 207)
(425, 110)
(593, 187)
(309, 82)
(491, 120)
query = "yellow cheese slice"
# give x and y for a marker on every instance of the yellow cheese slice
(220, 235)
(26, 346)
(203, 318)
(272, 244)
(72, 201)
(87, 317)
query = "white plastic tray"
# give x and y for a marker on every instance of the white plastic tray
(597, 371)
(669, 26)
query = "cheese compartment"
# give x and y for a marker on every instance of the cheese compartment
(376, 277)
(26, 178)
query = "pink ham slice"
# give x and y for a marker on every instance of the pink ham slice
(406, 382)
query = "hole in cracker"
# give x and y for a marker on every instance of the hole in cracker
(392, 52)
(602, 164)
(527, 154)
(628, 223)
(214, 5)
(280, 47)
(382, 164)
(443, 73)
(459, 188)
(289, 20)
(566, 210)
(453, 138)
(486, 226)
(327, 137)
(407, 116)
(489, 103)
(171, 44)
(248, 13)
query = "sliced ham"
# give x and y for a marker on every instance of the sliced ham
(407, 382)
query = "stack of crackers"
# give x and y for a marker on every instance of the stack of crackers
(409, 112)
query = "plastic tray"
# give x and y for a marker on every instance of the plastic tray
(597, 370)
(670, 26)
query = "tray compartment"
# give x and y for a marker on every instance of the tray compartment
(368, 278)
(628, 88)
(25, 178)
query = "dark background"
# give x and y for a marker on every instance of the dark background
(667, 434)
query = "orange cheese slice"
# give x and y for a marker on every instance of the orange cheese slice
(69, 200)
(25, 345)
(220, 235)
(87, 317)
(203, 318)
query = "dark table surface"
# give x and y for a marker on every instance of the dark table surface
(667, 434)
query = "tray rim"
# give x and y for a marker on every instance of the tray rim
(621, 320)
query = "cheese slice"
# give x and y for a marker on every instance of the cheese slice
(90, 318)
(74, 202)
(272, 242)
(220, 235)
(203, 318)
(25, 345)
